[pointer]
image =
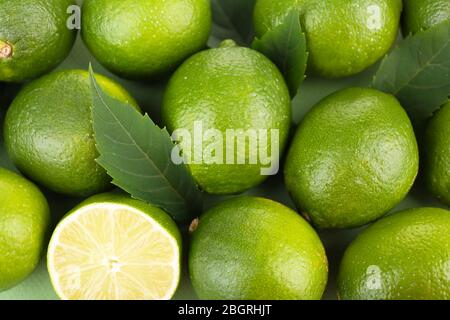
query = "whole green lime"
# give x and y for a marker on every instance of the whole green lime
(354, 157)
(34, 37)
(49, 136)
(232, 109)
(404, 256)
(24, 220)
(423, 14)
(344, 37)
(256, 249)
(437, 151)
(145, 38)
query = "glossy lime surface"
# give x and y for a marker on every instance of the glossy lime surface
(401, 257)
(145, 38)
(252, 248)
(34, 37)
(423, 14)
(437, 154)
(24, 222)
(229, 88)
(353, 158)
(49, 136)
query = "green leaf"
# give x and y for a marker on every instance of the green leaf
(232, 20)
(285, 45)
(137, 155)
(417, 72)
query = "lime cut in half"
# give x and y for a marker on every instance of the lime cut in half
(112, 251)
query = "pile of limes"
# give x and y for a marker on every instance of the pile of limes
(352, 159)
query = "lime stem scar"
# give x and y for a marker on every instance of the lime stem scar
(194, 225)
(5, 50)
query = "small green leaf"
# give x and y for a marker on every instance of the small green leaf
(285, 45)
(232, 20)
(417, 72)
(137, 155)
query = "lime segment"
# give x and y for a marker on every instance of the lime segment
(111, 251)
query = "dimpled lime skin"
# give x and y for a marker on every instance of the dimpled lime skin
(423, 14)
(38, 35)
(49, 136)
(402, 257)
(437, 151)
(24, 221)
(255, 249)
(145, 38)
(353, 158)
(228, 88)
(344, 36)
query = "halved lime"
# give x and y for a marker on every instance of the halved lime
(112, 247)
